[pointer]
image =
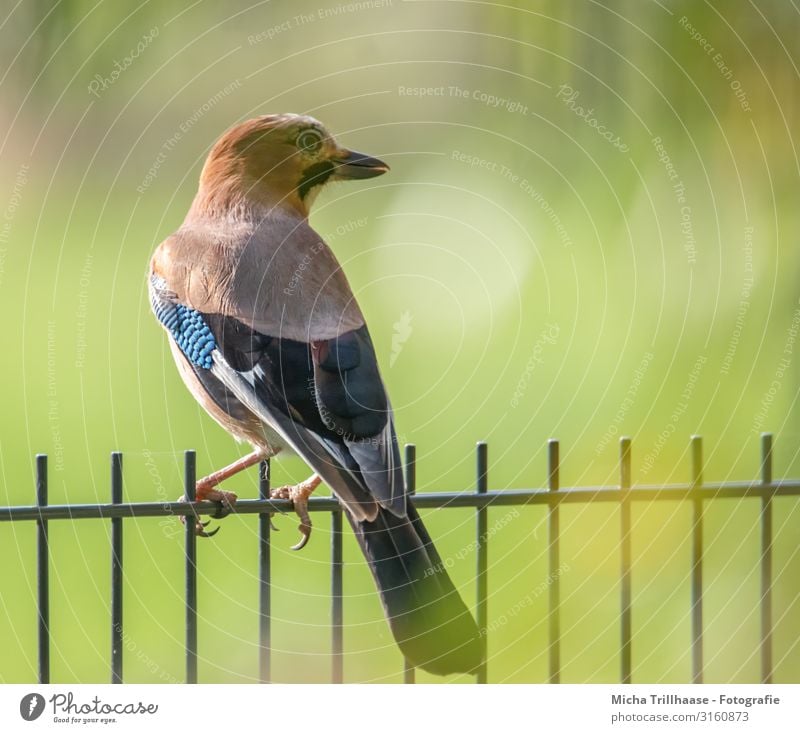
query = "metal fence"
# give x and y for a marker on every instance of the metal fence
(696, 492)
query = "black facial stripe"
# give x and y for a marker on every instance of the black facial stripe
(314, 175)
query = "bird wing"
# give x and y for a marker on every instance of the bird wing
(322, 393)
(277, 276)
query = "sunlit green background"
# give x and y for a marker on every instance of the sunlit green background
(523, 277)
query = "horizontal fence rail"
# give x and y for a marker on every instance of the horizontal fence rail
(696, 492)
(438, 500)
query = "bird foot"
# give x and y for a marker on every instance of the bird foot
(298, 495)
(205, 492)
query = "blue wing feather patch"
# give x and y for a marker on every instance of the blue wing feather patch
(190, 331)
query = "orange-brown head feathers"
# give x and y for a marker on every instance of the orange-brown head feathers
(277, 161)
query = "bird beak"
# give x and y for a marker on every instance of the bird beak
(358, 165)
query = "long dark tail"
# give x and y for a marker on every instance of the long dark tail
(429, 621)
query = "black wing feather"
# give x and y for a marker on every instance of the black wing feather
(331, 403)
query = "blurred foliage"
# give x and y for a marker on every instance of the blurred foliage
(535, 279)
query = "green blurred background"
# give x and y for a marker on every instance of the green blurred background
(528, 270)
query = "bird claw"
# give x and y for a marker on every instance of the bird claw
(225, 501)
(305, 531)
(199, 530)
(223, 510)
(298, 495)
(199, 527)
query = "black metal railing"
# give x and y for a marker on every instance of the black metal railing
(553, 496)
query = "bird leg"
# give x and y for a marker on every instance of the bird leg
(298, 495)
(205, 491)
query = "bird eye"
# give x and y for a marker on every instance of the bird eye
(309, 141)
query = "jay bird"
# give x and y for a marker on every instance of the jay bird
(269, 338)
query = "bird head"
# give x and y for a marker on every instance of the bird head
(280, 160)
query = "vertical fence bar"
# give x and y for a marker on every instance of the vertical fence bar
(43, 572)
(189, 484)
(625, 557)
(481, 486)
(766, 559)
(337, 611)
(697, 561)
(116, 571)
(264, 581)
(409, 674)
(554, 563)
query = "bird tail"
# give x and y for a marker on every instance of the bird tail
(428, 619)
